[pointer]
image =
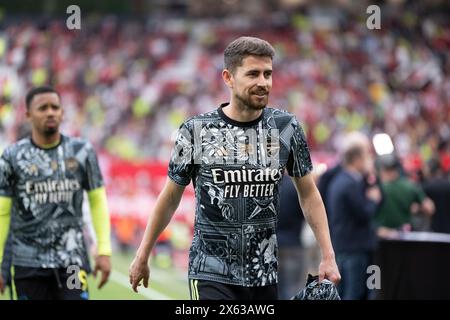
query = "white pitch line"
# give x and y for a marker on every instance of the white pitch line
(147, 292)
(166, 276)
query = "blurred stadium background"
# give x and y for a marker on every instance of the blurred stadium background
(137, 69)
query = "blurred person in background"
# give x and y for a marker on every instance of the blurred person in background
(42, 181)
(352, 205)
(437, 188)
(325, 181)
(292, 259)
(345, 141)
(125, 233)
(234, 252)
(402, 201)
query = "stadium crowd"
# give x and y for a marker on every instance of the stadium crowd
(128, 83)
(129, 91)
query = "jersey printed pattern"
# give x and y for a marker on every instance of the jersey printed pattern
(236, 169)
(46, 186)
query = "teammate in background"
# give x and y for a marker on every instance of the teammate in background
(235, 156)
(42, 178)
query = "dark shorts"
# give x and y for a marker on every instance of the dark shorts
(49, 284)
(210, 290)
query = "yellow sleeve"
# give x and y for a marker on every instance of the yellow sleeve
(100, 220)
(5, 218)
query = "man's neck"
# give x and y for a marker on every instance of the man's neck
(389, 176)
(240, 112)
(46, 141)
(353, 171)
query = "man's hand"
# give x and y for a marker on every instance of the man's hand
(328, 270)
(139, 270)
(374, 193)
(428, 207)
(2, 285)
(389, 233)
(102, 264)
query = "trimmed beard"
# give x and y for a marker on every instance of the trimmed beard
(248, 103)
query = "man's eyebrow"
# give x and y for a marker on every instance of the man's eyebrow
(49, 104)
(258, 70)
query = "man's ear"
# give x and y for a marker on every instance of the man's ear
(27, 113)
(227, 77)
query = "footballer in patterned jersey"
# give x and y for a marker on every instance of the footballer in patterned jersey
(42, 180)
(235, 157)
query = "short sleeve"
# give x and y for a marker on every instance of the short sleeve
(181, 165)
(94, 177)
(6, 175)
(299, 163)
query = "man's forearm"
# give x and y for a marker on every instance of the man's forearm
(100, 219)
(5, 218)
(315, 215)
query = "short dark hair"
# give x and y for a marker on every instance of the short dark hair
(434, 166)
(242, 47)
(353, 153)
(38, 90)
(389, 162)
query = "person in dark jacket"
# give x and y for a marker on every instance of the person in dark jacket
(351, 208)
(437, 188)
(292, 267)
(325, 182)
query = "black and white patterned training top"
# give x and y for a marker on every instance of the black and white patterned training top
(236, 168)
(46, 186)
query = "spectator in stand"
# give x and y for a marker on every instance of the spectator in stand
(402, 199)
(113, 97)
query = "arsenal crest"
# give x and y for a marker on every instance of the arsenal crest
(71, 164)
